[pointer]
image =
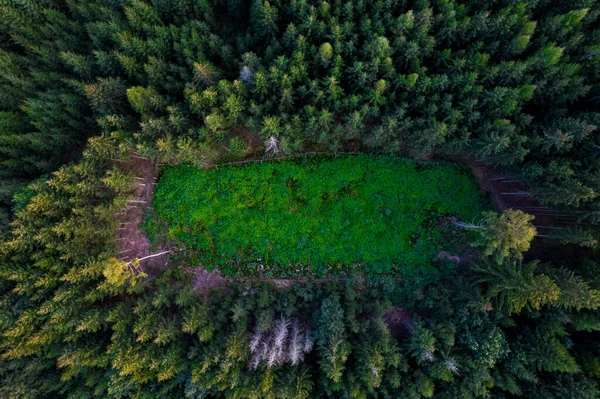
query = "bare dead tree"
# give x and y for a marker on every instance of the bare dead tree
(451, 366)
(272, 145)
(287, 342)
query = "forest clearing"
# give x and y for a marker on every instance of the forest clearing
(318, 216)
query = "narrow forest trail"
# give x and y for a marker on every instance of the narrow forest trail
(508, 192)
(132, 242)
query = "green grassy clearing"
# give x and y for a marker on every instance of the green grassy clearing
(320, 216)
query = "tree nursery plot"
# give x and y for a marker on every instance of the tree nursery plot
(379, 213)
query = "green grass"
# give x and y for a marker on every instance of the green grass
(320, 216)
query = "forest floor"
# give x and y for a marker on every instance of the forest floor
(501, 189)
(397, 320)
(132, 242)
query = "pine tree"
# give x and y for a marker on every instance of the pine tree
(516, 285)
(504, 236)
(331, 342)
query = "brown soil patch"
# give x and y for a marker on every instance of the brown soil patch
(132, 243)
(507, 192)
(254, 143)
(397, 319)
(204, 280)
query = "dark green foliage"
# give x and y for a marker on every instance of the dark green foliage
(78, 322)
(44, 116)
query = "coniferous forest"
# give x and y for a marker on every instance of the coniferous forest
(300, 199)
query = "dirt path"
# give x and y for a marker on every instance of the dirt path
(132, 243)
(507, 191)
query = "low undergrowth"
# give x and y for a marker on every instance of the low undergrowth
(314, 216)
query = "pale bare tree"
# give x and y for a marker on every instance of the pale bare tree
(308, 340)
(255, 341)
(246, 74)
(428, 355)
(451, 366)
(272, 145)
(296, 344)
(280, 332)
(287, 342)
(255, 361)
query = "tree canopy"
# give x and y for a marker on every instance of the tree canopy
(87, 87)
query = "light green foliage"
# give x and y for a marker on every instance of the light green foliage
(68, 226)
(205, 74)
(521, 43)
(517, 285)
(550, 55)
(424, 385)
(412, 79)
(264, 17)
(422, 344)
(144, 99)
(576, 235)
(575, 291)
(331, 340)
(197, 320)
(526, 91)
(184, 150)
(380, 86)
(375, 211)
(215, 121)
(377, 352)
(118, 274)
(573, 18)
(506, 235)
(237, 146)
(325, 53)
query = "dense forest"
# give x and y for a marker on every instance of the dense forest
(89, 88)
